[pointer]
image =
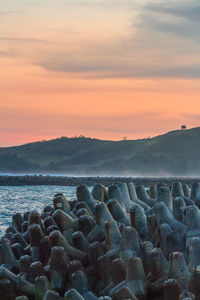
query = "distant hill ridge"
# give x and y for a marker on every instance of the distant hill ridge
(174, 153)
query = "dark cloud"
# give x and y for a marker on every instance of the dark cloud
(189, 10)
(181, 19)
(111, 70)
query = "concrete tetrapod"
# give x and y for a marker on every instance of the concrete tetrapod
(60, 202)
(164, 195)
(73, 295)
(20, 285)
(102, 215)
(143, 196)
(99, 192)
(136, 279)
(83, 194)
(113, 247)
(133, 196)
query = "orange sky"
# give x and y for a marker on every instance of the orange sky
(104, 69)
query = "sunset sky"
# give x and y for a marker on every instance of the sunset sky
(100, 68)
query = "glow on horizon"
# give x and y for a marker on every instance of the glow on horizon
(103, 69)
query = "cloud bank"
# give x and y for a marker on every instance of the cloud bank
(149, 39)
(163, 42)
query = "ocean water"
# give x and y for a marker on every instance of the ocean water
(23, 198)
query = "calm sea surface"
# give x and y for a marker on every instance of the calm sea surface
(22, 198)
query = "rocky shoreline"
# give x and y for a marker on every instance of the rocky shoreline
(21, 180)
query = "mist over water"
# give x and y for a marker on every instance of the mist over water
(160, 174)
(23, 198)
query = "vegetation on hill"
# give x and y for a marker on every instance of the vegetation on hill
(173, 153)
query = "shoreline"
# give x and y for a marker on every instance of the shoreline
(48, 180)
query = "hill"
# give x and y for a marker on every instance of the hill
(175, 153)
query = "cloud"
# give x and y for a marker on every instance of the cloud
(34, 122)
(188, 10)
(102, 3)
(23, 39)
(160, 40)
(29, 124)
(10, 130)
(192, 116)
(11, 12)
(165, 43)
(181, 19)
(4, 53)
(110, 70)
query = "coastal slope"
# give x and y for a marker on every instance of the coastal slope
(174, 153)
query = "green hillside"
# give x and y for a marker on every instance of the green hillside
(173, 153)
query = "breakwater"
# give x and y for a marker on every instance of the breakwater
(117, 243)
(21, 180)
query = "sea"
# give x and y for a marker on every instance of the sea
(25, 198)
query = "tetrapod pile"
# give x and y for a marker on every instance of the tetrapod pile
(122, 242)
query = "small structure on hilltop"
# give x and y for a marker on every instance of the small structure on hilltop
(183, 127)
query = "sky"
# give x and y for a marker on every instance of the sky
(107, 69)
